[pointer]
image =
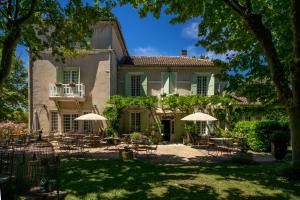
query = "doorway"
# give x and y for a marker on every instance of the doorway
(166, 129)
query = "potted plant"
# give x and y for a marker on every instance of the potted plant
(72, 84)
(135, 136)
(279, 143)
(188, 127)
(126, 153)
(58, 84)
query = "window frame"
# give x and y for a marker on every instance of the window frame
(52, 121)
(71, 70)
(87, 123)
(136, 85)
(134, 126)
(201, 128)
(201, 88)
(74, 125)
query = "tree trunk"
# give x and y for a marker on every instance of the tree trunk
(294, 119)
(8, 49)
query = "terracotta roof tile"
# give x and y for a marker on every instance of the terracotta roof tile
(166, 61)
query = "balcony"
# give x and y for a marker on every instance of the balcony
(67, 92)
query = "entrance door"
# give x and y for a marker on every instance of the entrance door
(166, 129)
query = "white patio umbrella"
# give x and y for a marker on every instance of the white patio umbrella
(91, 117)
(199, 116)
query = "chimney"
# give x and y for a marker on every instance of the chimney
(184, 52)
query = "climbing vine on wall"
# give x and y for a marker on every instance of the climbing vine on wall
(224, 108)
(118, 104)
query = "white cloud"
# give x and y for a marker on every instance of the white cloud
(215, 56)
(146, 51)
(191, 31)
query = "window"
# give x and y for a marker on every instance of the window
(201, 128)
(87, 125)
(135, 120)
(202, 85)
(69, 123)
(135, 85)
(70, 76)
(54, 121)
(169, 82)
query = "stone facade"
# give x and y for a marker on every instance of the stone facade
(61, 91)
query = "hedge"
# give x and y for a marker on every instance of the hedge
(258, 133)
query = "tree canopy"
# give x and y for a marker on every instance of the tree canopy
(46, 24)
(13, 94)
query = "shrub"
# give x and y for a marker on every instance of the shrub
(136, 136)
(258, 133)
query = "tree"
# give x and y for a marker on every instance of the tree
(261, 39)
(46, 24)
(13, 95)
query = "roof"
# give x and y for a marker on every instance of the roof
(241, 100)
(166, 61)
(244, 101)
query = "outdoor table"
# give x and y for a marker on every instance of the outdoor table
(223, 143)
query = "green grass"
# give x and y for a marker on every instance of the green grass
(113, 179)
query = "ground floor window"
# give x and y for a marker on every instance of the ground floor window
(87, 125)
(70, 125)
(53, 121)
(135, 121)
(201, 128)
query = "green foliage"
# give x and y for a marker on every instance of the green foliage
(13, 95)
(269, 112)
(136, 136)
(258, 133)
(41, 25)
(222, 107)
(119, 103)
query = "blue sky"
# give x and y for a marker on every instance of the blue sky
(150, 36)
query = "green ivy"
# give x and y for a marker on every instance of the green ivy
(119, 103)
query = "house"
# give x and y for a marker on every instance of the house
(61, 91)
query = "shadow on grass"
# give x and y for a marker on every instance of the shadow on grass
(114, 179)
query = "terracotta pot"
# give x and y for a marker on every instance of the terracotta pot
(279, 150)
(126, 154)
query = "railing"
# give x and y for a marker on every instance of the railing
(66, 90)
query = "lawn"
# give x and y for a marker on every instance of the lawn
(113, 179)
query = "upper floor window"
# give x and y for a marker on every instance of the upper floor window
(169, 82)
(135, 121)
(135, 85)
(70, 76)
(202, 85)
